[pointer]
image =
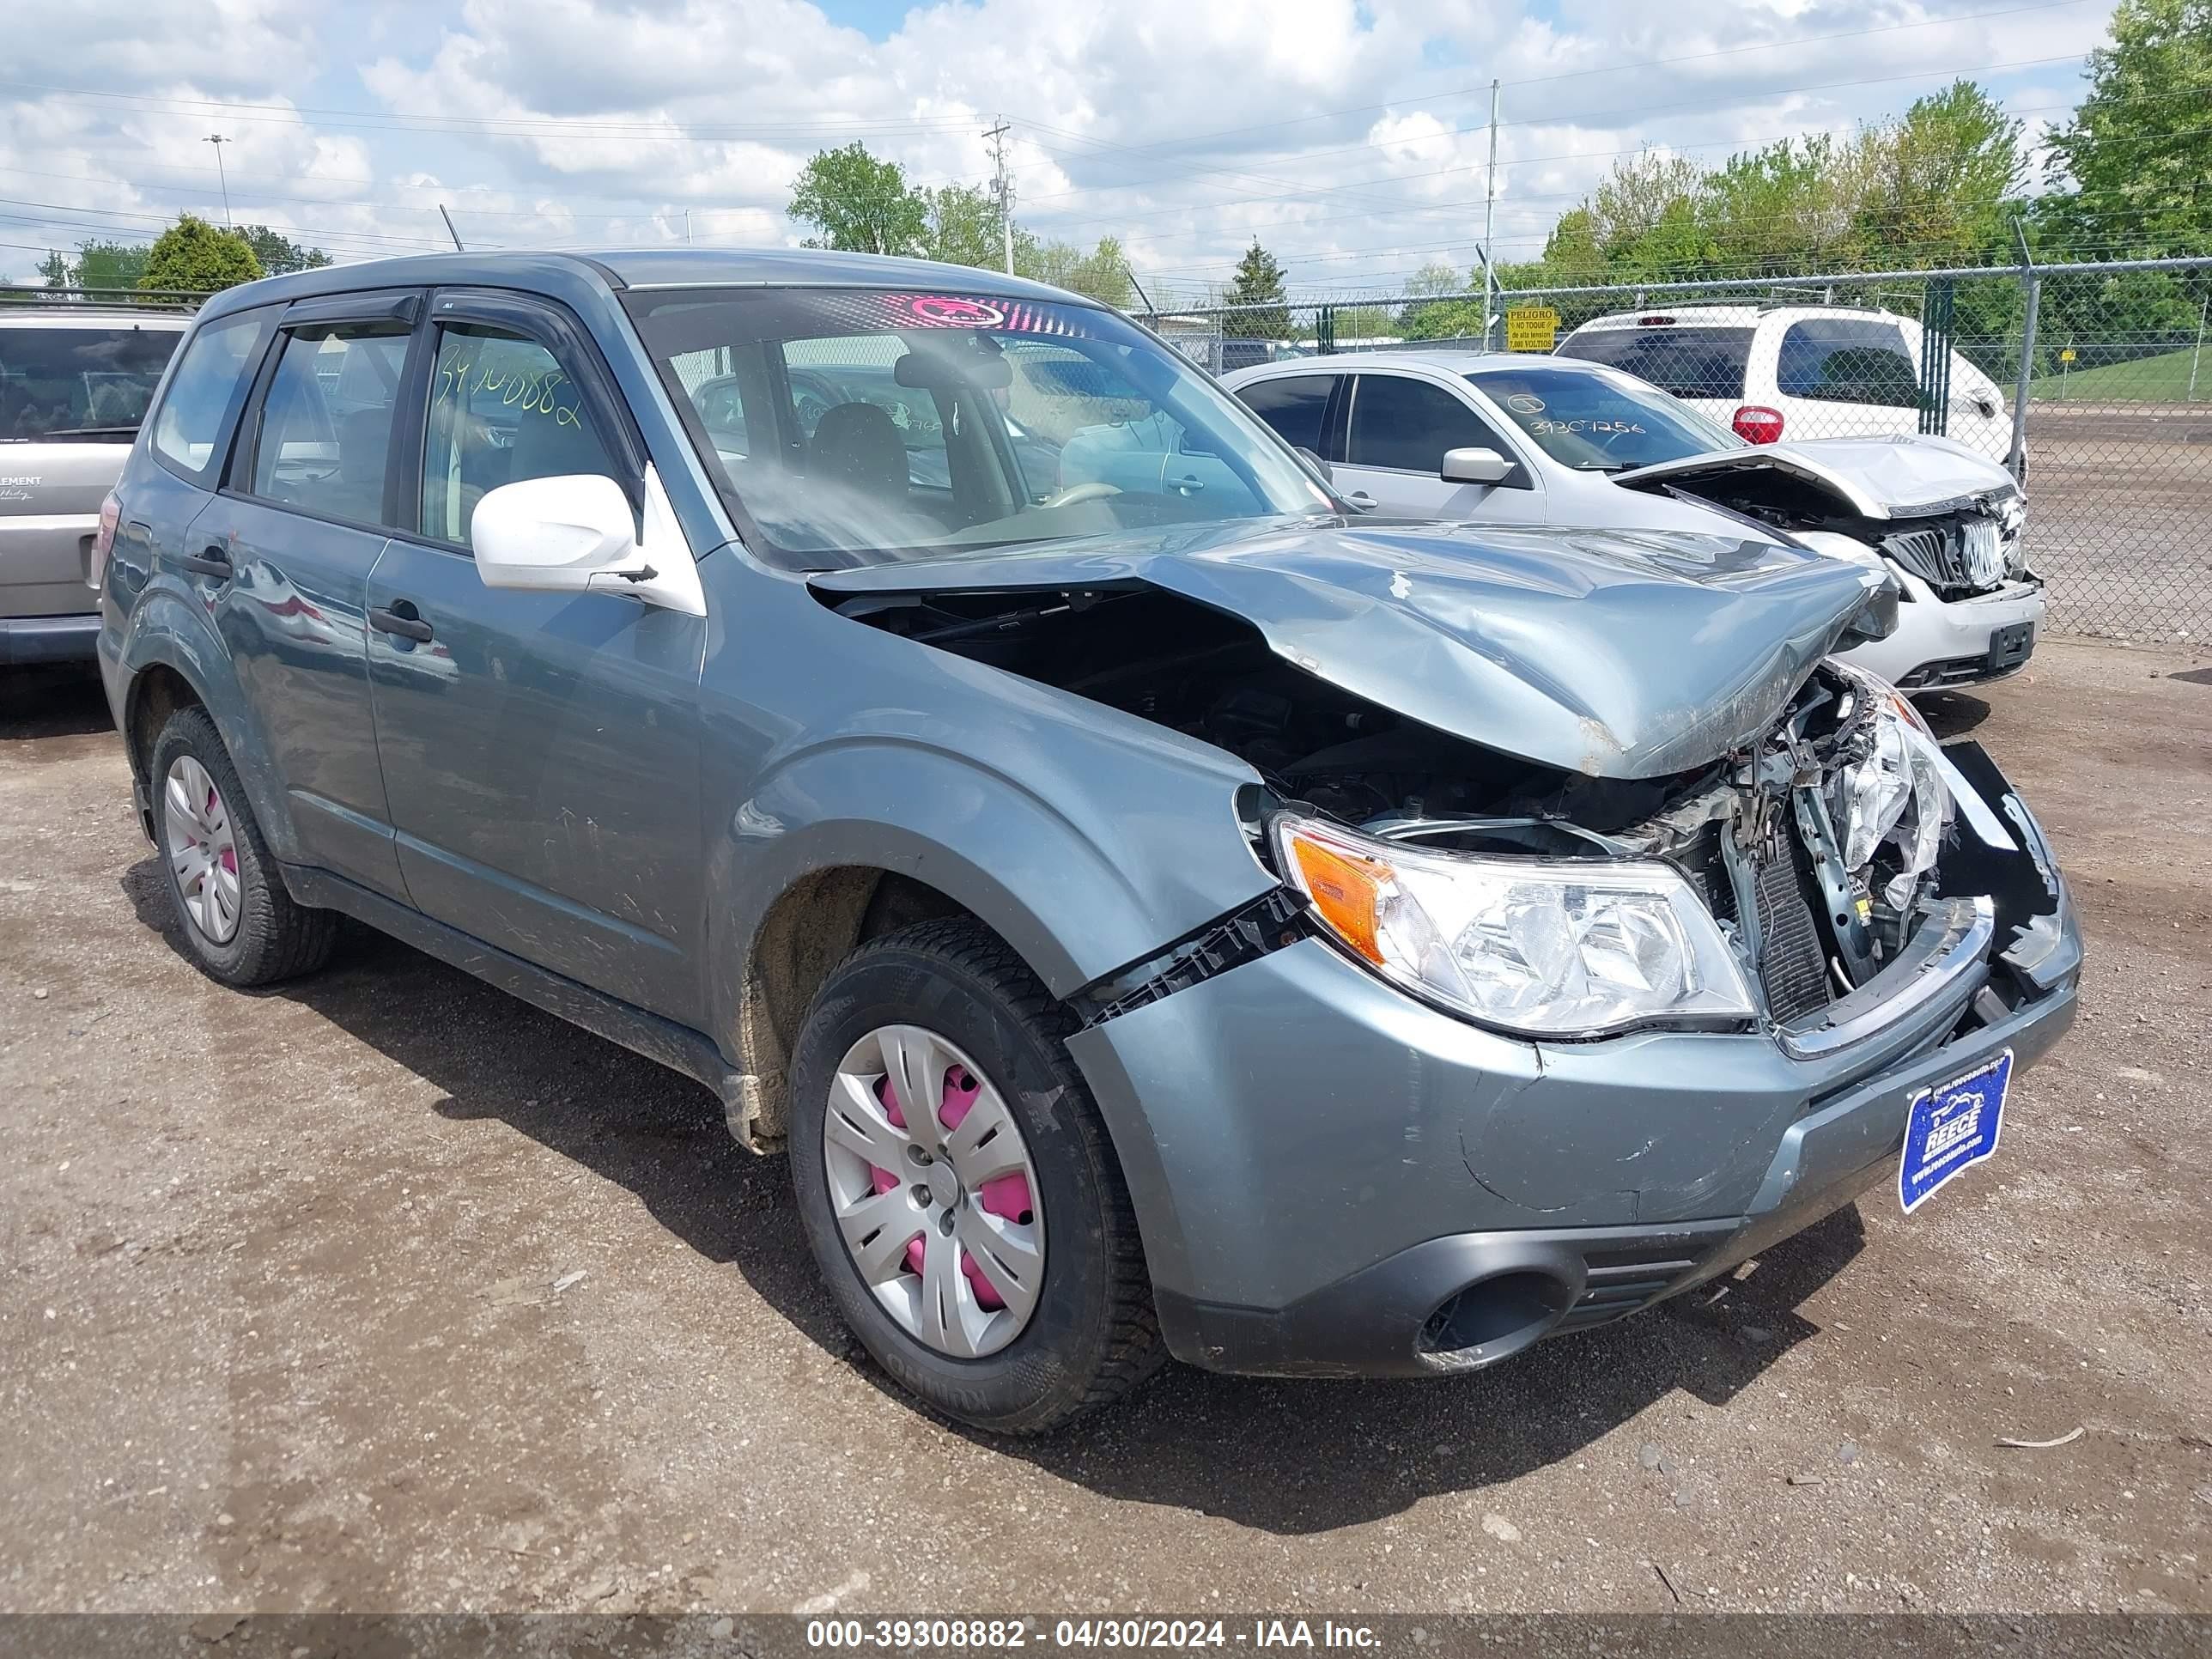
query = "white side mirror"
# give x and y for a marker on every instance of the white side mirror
(554, 534)
(1475, 466)
(576, 533)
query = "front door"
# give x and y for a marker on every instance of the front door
(541, 750)
(1400, 430)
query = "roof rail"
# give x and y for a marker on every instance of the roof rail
(103, 298)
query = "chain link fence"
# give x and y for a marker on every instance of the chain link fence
(2093, 383)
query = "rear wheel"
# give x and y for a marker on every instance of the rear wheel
(239, 924)
(958, 1186)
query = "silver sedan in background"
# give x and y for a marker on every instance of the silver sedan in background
(1516, 438)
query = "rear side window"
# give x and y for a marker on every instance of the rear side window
(209, 384)
(1848, 360)
(325, 438)
(1409, 424)
(1693, 361)
(1295, 406)
(502, 410)
(89, 383)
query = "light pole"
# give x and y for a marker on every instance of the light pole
(219, 141)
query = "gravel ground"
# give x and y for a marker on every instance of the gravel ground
(385, 1291)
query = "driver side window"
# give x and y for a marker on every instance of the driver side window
(501, 409)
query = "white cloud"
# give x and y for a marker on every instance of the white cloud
(1348, 136)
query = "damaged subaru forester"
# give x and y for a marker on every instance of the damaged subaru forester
(1159, 910)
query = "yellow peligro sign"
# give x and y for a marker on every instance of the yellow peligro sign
(1531, 328)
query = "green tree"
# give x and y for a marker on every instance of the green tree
(1258, 281)
(1100, 274)
(2137, 155)
(962, 227)
(1434, 317)
(279, 253)
(110, 265)
(859, 203)
(1932, 187)
(194, 256)
(55, 269)
(1788, 207)
(1103, 275)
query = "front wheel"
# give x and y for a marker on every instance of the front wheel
(958, 1187)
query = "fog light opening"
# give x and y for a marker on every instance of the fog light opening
(1491, 1318)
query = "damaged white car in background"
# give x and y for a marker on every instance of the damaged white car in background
(1503, 439)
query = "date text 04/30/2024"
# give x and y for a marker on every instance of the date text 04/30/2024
(909, 1634)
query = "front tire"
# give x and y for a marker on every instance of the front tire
(984, 1249)
(239, 924)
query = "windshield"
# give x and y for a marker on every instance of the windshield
(79, 382)
(856, 427)
(1600, 423)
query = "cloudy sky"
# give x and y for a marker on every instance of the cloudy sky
(1351, 137)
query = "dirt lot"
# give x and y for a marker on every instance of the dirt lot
(2120, 518)
(292, 1315)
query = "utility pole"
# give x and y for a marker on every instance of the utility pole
(1004, 186)
(1489, 221)
(219, 141)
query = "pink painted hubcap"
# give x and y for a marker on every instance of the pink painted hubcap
(934, 1191)
(1006, 1195)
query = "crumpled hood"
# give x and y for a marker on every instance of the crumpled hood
(1625, 654)
(1899, 476)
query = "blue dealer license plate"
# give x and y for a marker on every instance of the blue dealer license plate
(1950, 1127)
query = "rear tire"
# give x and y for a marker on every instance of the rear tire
(239, 925)
(1091, 1334)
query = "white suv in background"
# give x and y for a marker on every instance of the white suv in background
(1776, 372)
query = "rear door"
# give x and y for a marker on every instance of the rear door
(541, 750)
(1398, 429)
(282, 557)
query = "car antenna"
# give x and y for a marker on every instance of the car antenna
(450, 231)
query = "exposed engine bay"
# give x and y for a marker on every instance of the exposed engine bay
(1816, 846)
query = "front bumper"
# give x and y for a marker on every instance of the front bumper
(1332, 1179)
(25, 640)
(1969, 641)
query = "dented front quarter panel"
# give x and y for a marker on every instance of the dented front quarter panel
(1614, 654)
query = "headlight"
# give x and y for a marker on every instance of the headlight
(1547, 947)
(1895, 792)
(2012, 526)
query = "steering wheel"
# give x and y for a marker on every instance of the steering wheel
(1083, 492)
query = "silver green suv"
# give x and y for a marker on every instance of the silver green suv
(1156, 910)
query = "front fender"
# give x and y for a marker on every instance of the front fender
(169, 627)
(1077, 892)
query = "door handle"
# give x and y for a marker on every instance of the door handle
(1189, 486)
(213, 561)
(1360, 498)
(391, 621)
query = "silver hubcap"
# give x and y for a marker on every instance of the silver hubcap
(934, 1191)
(202, 848)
